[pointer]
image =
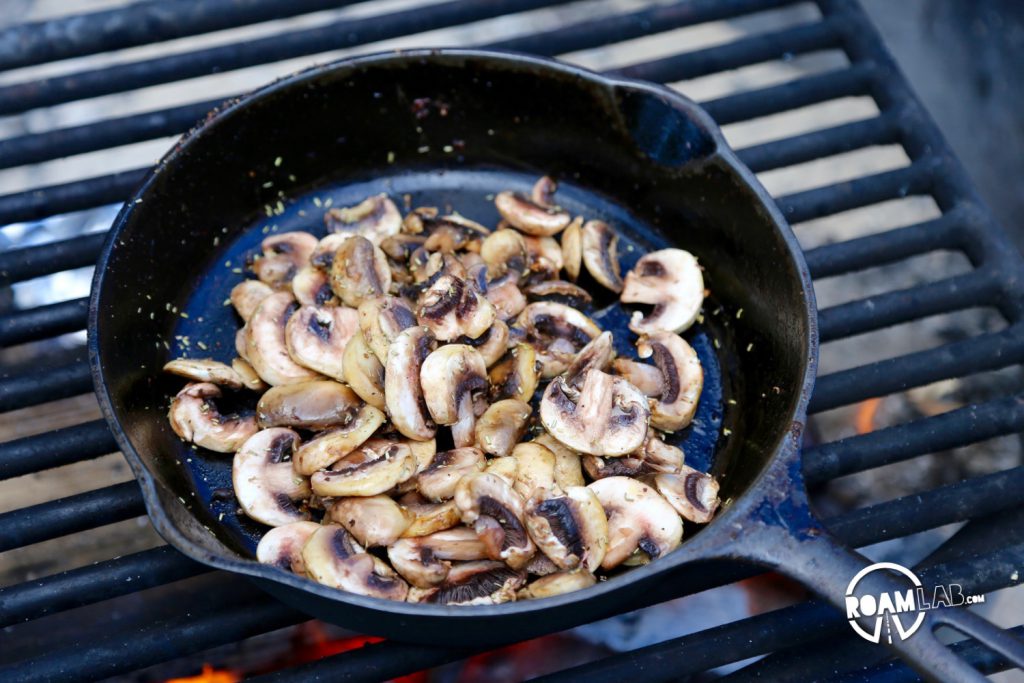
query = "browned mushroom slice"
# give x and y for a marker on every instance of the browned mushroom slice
(659, 456)
(372, 520)
(638, 519)
(335, 559)
(693, 494)
(473, 583)
(375, 218)
(246, 373)
(544, 258)
(428, 268)
(381, 319)
(195, 418)
(600, 254)
(403, 392)
(535, 468)
(682, 379)
(326, 448)
(282, 546)
(326, 248)
(556, 584)
(568, 468)
(504, 250)
(557, 333)
(414, 222)
(488, 503)
(362, 371)
(600, 468)
(452, 233)
(282, 257)
(572, 248)
(644, 377)
(241, 345)
(451, 308)
(438, 481)
(596, 355)
(541, 565)
(672, 282)
(504, 294)
(359, 271)
(401, 246)
(454, 381)
(425, 561)
(428, 518)
(247, 295)
(492, 344)
(526, 215)
(559, 291)
(312, 287)
(205, 370)
(543, 192)
(316, 405)
(516, 375)
(265, 342)
(266, 487)
(502, 426)
(316, 337)
(367, 471)
(606, 416)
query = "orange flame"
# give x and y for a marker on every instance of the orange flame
(865, 420)
(209, 675)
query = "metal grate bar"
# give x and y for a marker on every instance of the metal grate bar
(18, 265)
(55, 448)
(68, 515)
(35, 387)
(43, 321)
(52, 200)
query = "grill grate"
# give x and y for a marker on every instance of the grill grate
(982, 557)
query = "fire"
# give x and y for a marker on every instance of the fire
(865, 420)
(209, 675)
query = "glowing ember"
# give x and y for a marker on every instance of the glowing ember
(209, 675)
(865, 420)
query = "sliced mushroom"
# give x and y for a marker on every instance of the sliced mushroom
(265, 342)
(401, 246)
(363, 371)
(502, 426)
(326, 248)
(454, 382)
(692, 493)
(426, 561)
(544, 258)
(335, 559)
(671, 281)
(452, 233)
(682, 379)
(599, 468)
(543, 192)
(282, 546)
(241, 345)
(316, 405)
(368, 470)
(488, 503)
(246, 373)
(535, 468)
(473, 583)
(600, 254)
(568, 470)
(659, 456)
(572, 248)
(403, 392)
(557, 333)
(359, 271)
(556, 584)
(312, 287)
(372, 520)
(559, 291)
(266, 487)
(516, 375)
(428, 518)
(438, 481)
(492, 344)
(205, 370)
(195, 418)
(434, 267)
(451, 308)
(247, 295)
(374, 218)
(328, 447)
(282, 257)
(504, 250)
(638, 519)
(607, 416)
(504, 294)
(316, 337)
(424, 452)
(526, 215)
(505, 467)
(541, 565)
(381, 319)
(644, 377)
(596, 355)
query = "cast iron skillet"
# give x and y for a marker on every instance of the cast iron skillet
(452, 127)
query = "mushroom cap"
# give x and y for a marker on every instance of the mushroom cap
(556, 584)
(247, 295)
(282, 546)
(502, 426)
(328, 447)
(454, 381)
(535, 468)
(692, 493)
(316, 337)
(205, 370)
(383, 318)
(504, 250)
(606, 416)
(600, 254)
(516, 375)
(438, 481)
(672, 282)
(638, 519)
(473, 583)
(524, 214)
(368, 470)
(488, 502)
(363, 371)
(312, 287)
(372, 520)
(195, 418)
(283, 255)
(425, 561)
(374, 218)
(403, 393)
(266, 346)
(570, 527)
(557, 333)
(451, 308)
(543, 192)
(246, 373)
(316, 405)
(266, 486)
(335, 559)
(572, 248)
(682, 379)
(359, 271)
(568, 468)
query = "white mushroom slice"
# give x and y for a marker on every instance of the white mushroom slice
(504, 250)
(638, 519)
(543, 192)
(693, 494)
(267, 488)
(247, 295)
(282, 257)
(570, 527)
(505, 467)
(452, 233)
(559, 291)
(516, 375)
(556, 584)
(265, 344)
(425, 561)
(606, 416)
(492, 344)
(600, 254)
(205, 370)
(316, 405)
(241, 345)
(451, 308)
(488, 503)
(403, 392)
(572, 248)
(526, 215)
(682, 379)
(246, 373)
(557, 333)
(375, 218)
(568, 469)
(473, 583)
(424, 452)
(359, 271)
(672, 282)
(335, 559)
(195, 418)
(597, 355)
(331, 446)
(326, 248)
(535, 468)
(659, 456)
(644, 377)
(454, 381)
(381, 319)
(504, 295)
(316, 337)
(544, 257)
(367, 471)
(282, 546)
(372, 520)
(312, 287)
(429, 518)
(438, 481)
(363, 371)
(502, 426)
